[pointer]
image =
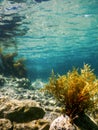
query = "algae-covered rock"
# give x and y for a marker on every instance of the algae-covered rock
(20, 111)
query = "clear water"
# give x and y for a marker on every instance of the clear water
(50, 34)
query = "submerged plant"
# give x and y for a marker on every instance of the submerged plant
(77, 90)
(11, 67)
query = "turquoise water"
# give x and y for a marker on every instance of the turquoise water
(50, 34)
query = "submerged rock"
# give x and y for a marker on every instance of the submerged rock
(20, 111)
(38, 84)
(62, 123)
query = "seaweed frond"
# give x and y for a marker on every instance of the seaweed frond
(77, 90)
(11, 67)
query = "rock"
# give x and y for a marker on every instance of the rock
(62, 123)
(52, 102)
(20, 111)
(58, 109)
(38, 84)
(40, 124)
(85, 122)
(5, 124)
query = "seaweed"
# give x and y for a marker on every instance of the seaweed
(77, 90)
(11, 67)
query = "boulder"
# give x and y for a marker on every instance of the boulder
(20, 111)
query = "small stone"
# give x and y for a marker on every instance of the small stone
(5, 124)
(58, 109)
(49, 108)
(52, 102)
(46, 102)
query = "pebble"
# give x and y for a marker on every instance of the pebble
(52, 102)
(13, 90)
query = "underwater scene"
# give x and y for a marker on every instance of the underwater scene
(49, 64)
(50, 34)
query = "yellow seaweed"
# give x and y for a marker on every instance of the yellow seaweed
(77, 90)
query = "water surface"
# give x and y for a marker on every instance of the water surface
(50, 34)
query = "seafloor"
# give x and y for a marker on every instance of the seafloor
(23, 90)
